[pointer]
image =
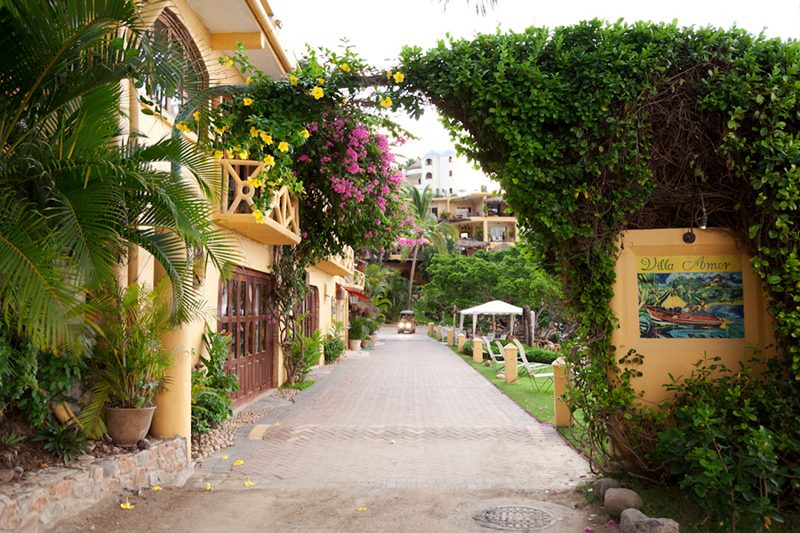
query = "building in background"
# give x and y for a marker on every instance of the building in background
(446, 174)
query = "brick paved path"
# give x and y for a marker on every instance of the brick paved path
(409, 414)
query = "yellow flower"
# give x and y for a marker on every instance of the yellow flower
(304, 134)
(248, 80)
(156, 488)
(219, 131)
(218, 154)
(243, 155)
(255, 182)
(386, 101)
(293, 79)
(283, 146)
(196, 115)
(248, 101)
(126, 505)
(237, 463)
(266, 137)
(317, 92)
(247, 483)
(399, 77)
(344, 67)
(227, 61)
(388, 74)
(253, 131)
(321, 81)
(269, 160)
(182, 126)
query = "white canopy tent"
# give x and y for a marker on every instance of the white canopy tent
(495, 307)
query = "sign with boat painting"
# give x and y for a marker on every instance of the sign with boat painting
(691, 297)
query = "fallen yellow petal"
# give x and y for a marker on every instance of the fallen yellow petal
(247, 483)
(224, 457)
(156, 488)
(362, 508)
(208, 486)
(126, 505)
(277, 423)
(237, 463)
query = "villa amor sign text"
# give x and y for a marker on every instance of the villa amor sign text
(690, 297)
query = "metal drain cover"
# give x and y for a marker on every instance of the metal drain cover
(516, 518)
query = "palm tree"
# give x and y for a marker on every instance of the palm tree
(428, 228)
(73, 196)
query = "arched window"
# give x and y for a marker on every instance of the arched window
(429, 162)
(451, 172)
(450, 159)
(172, 30)
(428, 176)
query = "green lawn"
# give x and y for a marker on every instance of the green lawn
(538, 403)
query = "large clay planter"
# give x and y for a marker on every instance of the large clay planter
(128, 426)
(355, 345)
(367, 343)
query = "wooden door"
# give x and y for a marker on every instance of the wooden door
(244, 306)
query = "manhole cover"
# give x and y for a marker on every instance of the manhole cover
(516, 518)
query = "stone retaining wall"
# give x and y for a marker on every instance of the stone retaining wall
(49, 495)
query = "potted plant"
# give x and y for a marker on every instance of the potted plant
(129, 363)
(357, 331)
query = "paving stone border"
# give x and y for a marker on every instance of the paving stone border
(53, 494)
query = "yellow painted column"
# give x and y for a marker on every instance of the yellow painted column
(173, 416)
(450, 337)
(510, 355)
(430, 328)
(477, 351)
(461, 340)
(563, 418)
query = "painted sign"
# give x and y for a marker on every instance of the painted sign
(691, 297)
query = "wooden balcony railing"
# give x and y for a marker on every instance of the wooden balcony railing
(356, 281)
(338, 265)
(280, 223)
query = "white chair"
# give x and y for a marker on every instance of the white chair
(498, 360)
(537, 372)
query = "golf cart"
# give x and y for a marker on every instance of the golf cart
(407, 324)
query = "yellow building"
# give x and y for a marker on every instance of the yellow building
(208, 30)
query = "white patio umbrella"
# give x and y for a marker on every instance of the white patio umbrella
(495, 307)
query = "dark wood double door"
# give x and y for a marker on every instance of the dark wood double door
(245, 303)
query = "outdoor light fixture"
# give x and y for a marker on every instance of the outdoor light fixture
(704, 218)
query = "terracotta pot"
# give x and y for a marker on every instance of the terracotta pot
(355, 344)
(128, 426)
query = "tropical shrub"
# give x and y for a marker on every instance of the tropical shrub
(211, 386)
(334, 343)
(31, 378)
(308, 352)
(729, 441)
(66, 441)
